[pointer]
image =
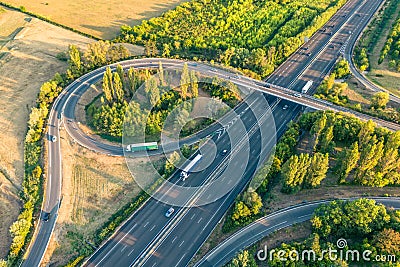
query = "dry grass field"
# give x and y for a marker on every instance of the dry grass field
(94, 187)
(28, 49)
(98, 17)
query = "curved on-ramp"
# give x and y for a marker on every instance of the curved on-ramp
(265, 226)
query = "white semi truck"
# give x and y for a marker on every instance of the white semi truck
(306, 87)
(186, 171)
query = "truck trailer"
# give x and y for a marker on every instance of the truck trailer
(306, 87)
(141, 147)
(186, 171)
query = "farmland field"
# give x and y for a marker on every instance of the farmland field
(28, 49)
(99, 18)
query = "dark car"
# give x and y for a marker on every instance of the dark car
(45, 216)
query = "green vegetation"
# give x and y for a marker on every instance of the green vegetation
(342, 69)
(371, 158)
(392, 46)
(363, 223)
(333, 92)
(243, 259)
(150, 108)
(251, 35)
(373, 34)
(304, 171)
(368, 226)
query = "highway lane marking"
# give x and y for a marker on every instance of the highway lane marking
(147, 223)
(154, 264)
(181, 259)
(183, 241)
(192, 216)
(173, 240)
(123, 248)
(303, 216)
(152, 228)
(116, 245)
(131, 252)
(201, 218)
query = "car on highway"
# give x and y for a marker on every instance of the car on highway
(331, 46)
(297, 94)
(285, 107)
(223, 152)
(169, 212)
(54, 138)
(45, 216)
(309, 54)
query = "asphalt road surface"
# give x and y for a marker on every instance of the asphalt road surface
(123, 246)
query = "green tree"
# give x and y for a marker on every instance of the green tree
(240, 211)
(294, 171)
(387, 242)
(331, 81)
(319, 165)
(194, 86)
(369, 158)
(166, 50)
(171, 162)
(243, 259)
(118, 88)
(365, 134)
(108, 86)
(253, 201)
(317, 128)
(351, 218)
(347, 161)
(380, 100)
(326, 142)
(390, 159)
(342, 69)
(161, 73)
(75, 63)
(131, 83)
(185, 81)
(121, 74)
(154, 95)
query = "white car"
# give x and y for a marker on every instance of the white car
(169, 212)
(54, 138)
(297, 95)
(285, 107)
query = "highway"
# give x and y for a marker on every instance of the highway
(148, 224)
(263, 227)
